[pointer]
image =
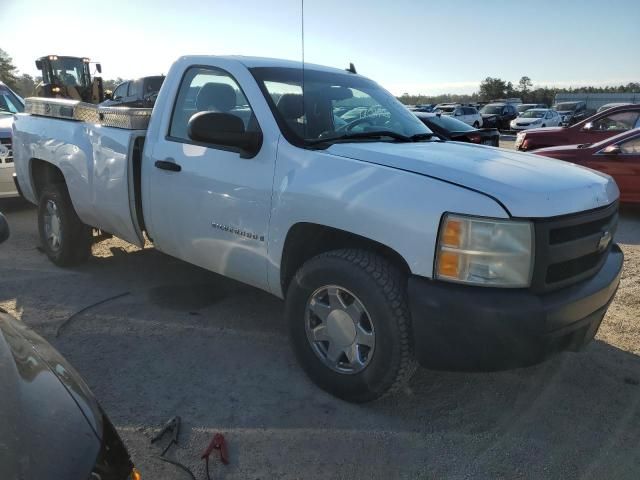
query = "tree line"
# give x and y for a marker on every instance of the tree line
(490, 88)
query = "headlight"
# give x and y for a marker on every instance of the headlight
(483, 251)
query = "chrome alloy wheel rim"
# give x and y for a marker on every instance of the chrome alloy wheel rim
(52, 225)
(339, 329)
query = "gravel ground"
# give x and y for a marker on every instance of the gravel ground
(183, 341)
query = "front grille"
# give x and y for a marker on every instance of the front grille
(7, 143)
(569, 248)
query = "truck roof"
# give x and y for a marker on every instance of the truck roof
(253, 62)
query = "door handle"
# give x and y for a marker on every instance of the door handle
(168, 164)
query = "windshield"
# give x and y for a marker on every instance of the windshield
(533, 114)
(9, 103)
(492, 109)
(447, 109)
(69, 71)
(449, 124)
(524, 108)
(333, 105)
(562, 107)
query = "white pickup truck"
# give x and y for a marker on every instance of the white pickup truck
(391, 247)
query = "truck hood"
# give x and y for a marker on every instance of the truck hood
(527, 185)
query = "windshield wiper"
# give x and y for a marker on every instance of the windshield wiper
(375, 135)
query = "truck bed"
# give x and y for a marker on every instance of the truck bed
(97, 150)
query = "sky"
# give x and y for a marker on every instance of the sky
(408, 46)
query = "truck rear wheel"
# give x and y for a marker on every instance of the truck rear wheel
(65, 239)
(350, 326)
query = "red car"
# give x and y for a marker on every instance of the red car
(598, 127)
(617, 156)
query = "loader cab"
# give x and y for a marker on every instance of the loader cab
(69, 77)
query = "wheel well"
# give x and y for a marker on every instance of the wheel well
(44, 173)
(306, 240)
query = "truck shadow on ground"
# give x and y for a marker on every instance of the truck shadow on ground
(187, 342)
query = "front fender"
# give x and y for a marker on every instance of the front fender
(393, 207)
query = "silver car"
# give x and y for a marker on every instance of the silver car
(10, 103)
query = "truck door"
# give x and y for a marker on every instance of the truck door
(206, 204)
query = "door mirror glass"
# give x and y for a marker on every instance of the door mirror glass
(611, 149)
(39, 64)
(99, 68)
(223, 129)
(4, 228)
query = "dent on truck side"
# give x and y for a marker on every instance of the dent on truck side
(398, 209)
(94, 162)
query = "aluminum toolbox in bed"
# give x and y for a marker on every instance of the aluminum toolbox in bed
(118, 117)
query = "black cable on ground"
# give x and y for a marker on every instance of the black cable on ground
(68, 320)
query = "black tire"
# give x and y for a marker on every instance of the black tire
(476, 125)
(75, 237)
(543, 125)
(382, 290)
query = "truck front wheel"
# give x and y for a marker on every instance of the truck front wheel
(350, 326)
(64, 238)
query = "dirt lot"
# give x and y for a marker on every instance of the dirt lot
(187, 342)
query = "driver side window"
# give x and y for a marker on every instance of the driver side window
(211, 90)
(617, 122)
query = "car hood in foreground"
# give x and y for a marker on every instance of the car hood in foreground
(527, 185)
(546, 130)
(43, 432)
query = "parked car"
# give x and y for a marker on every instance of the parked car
(498, 115)
(618, 156)
(523, 107)
(607, 106)
(51, 425)
(140, 93)
(571, 112)
(536, 118)
(381, 241)
(422, 108)
(449, 128)
(468, 115)
(591, 130)
(10, 103)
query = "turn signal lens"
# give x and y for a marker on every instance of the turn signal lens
(135, 474)
(452, 233)
(485, 251)
(449, 265)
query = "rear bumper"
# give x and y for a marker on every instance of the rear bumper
(458, 327)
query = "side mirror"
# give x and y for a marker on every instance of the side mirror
(4, 228)
(612, 150)
(225, 130)
(99, 68)
(39, 64)
(588, 126)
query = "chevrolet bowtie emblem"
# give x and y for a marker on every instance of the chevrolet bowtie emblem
(604, 241)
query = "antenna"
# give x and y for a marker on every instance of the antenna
(352, 68)
(304, 113)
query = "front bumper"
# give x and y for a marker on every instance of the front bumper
(463, 328)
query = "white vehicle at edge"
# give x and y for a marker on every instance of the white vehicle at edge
(10, 103)
(468, 115)
(381, 240)
(536, 118)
